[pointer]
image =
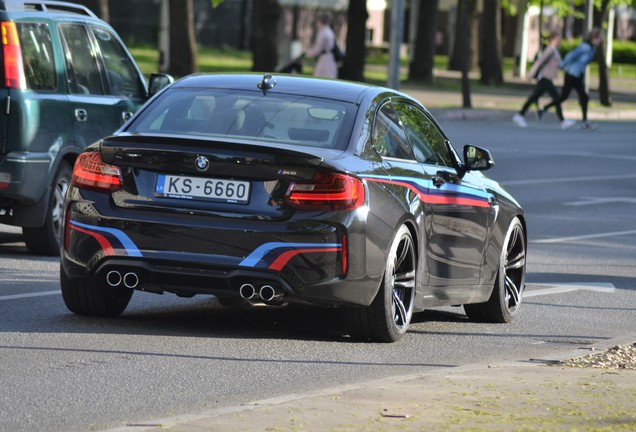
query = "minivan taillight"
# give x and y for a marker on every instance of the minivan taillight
(13, 70)
(326, 191)
(91, 172)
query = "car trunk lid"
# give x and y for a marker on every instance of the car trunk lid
(189, 175)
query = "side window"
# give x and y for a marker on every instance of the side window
(37, 56)
(389, 139)
(428, 142)
(81, 63)
(121, 73)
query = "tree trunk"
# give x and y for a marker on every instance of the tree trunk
(353, 65)
(421, 68)
(466, 13)
(264, 38)
(603, 74)
(183, 47)
(490, 51)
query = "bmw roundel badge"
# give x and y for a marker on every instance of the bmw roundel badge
(202, 163)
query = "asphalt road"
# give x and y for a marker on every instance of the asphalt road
(166, 356)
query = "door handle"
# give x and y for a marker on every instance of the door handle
(126, 115)
(81, 115)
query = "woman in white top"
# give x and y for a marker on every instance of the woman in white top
(325, 66)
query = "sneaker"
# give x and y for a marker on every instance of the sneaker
(588, 126)
(567, 124)
(540, 113)
(519, 120)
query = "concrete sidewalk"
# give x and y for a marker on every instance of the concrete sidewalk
(531, 395)
(497, 104)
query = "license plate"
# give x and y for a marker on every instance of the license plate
(198, 188)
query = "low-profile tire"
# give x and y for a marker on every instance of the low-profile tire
(505, 301)
(93, 299)
(388, 317)
(45, 240)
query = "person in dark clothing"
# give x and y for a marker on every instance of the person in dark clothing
(574, 65)
(545, 70)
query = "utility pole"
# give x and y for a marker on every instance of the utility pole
(589, 23)
(397, 26)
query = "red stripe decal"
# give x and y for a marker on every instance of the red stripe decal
(436, 199)
(285, 257)
(107, 247)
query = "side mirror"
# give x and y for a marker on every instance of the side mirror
(158, 82)
(477, 159)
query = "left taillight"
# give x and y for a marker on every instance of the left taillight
(13, 68)
(326, 191)
(91, 172)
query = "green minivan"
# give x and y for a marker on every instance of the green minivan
(67, 80)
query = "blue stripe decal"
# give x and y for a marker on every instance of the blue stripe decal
(127, 243)
(259, 253)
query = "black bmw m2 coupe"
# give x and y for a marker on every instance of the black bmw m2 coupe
(288, 189)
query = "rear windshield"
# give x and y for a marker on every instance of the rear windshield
(277, 118)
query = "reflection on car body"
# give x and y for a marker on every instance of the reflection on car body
(286, 189)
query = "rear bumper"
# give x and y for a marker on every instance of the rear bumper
(24, 202)
(301, 260)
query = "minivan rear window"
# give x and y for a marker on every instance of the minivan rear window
(37, 56)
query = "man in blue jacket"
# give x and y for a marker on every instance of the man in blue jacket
(574, 64)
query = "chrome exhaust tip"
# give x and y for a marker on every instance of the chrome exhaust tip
(113, 278)
(267, 293)
(131, 280)
(247, 291)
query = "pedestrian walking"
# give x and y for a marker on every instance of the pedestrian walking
(545, 70)
(322, 50)
(574, 64)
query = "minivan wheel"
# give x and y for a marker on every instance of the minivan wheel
(45, 240)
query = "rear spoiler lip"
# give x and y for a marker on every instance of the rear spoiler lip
(117, 147)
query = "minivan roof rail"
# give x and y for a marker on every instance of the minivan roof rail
(45, 6)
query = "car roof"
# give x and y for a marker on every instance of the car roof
(44, 6)
(288, 84)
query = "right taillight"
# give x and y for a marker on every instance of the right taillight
(326, 191)
(13, 70)
(91, 172)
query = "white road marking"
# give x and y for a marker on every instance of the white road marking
(27, 295)
(601, 200)
(565, 180)
(583, 237)
(559, 288)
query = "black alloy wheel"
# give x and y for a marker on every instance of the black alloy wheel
(506, 298)
(387, 319)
